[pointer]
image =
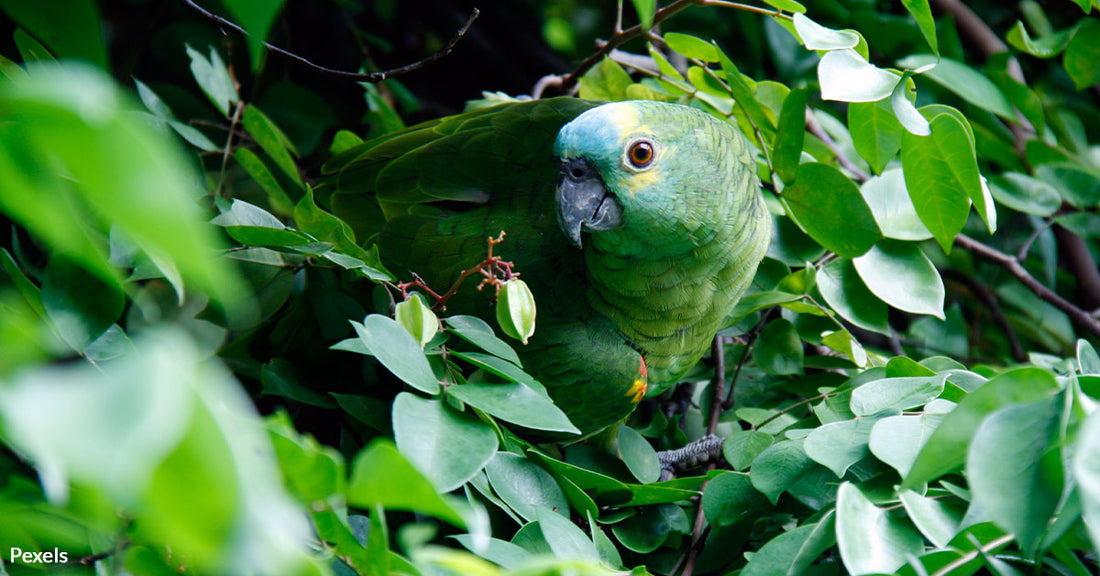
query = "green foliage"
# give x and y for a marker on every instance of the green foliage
(910, 385)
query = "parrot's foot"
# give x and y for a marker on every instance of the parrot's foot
(701, 451)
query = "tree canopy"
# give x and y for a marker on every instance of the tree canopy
(203, 370)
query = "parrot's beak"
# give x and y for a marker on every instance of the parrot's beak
(582, 201)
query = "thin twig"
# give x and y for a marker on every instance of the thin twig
(970, 556)
(814, 127)
(987, 297)
(371, 77)
(236, 118)
(1010, 263)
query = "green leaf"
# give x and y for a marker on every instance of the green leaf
(1088, 362)
(847, 76)
(941, 170)
(214, 79)
(787, 6)
(502, 368)
(566, 540)
(80, 307)
(876, 132)
(380, 475)
(897, 440)
(792, 132)
(259, 172)
(936, 518)
(846, 294)
(743, 446)
(1082, 59)
(280, 378)
(730, 498)
(31, 49)
(889, 201)
(475, 331)
(828, 206)
(839, 445)
(946, 449)
(264, 236)
(256, 17)
(1086, 472)
(516, 403)
(651, 527)
(605, 81)
(1077, 185)
(638, 455)
(966, 82)
(70, 28)
(272, 140)
(691, 47)
(779, 467)
(1025, 194)
(1014, 467)
(645, 10)
(793, 552)
(312, 471)
(778, 350)
(923, 15)
(903, 277)
(397, 351)
(870, 539)
(1048, 46)
(525, 486)
(901, 100)
(817, 37)
(896, 394)
(448, 447)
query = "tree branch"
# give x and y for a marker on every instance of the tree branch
(372, 77)
(987, 297)
(1081, 264)
(1010, 263)
(814, 127)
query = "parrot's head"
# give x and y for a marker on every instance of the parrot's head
(648, 173)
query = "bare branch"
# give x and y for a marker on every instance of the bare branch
(372, 77)
(1010, 263)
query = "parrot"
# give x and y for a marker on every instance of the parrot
(637, 226)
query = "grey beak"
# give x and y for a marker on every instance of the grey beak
(582, 202)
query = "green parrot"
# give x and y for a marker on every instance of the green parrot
(637, 226)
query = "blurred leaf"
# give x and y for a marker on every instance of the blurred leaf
(787, 6)
(1082, 59)
(1025, 194)
(256, 17)
(870, 539)
(381, 475)
(903, 277)
(214, 79)
(448, 447)
(605, 81)
(946, 449)
(1046, 47)
(70, 28)
(279, 378)
(525, 486)
(846, 76)
(1077, 185)
(1015, 451)
(81, 307)
(828, 206)
(1086, 472)
(964, 81)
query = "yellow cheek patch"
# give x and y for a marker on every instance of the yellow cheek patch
(623, 117)
(637, 390)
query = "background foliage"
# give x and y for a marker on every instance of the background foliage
(200, 371)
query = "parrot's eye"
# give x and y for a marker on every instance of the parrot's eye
(640, 154)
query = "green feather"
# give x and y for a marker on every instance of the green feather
(658, 287)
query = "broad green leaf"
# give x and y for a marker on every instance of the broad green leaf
(902, 103)
(1025, 194)
(817, 37)
(743, 446)
(964, 81)
(272, 140)
(264, 236)
(828, 206)
(897, 440)
(80, 307)
(846, 294)
(1088, 362)
(941, 171)
(1048, 46)
(260, 173)
(1082, 59)
(744, 94)
(31, 49)
(396, 349)
(876, 132)
(380, 475)
(525, 486)
(730, 498)
(691, 47)
(256, 17)
(604, 489)
(651, 527)
(500, 552)
(448, 447)
(605, 81)
(787, 6)
(789, 138)
(161, 110)
(502, 368)
(313, 471)
(638, 455)
(645, 10)
(1076, 184)
(889, 201)
(214, 79)
(871, 540)
(896, 394)
(946, 449)
(1014, 468)
(903, 277)
(516, 403)
(839, 445)
(792, 552)
(1086, 472)
(71, 29)
(847, 76)
(415, 316)
(936, 518)
(778, 350)
(566, 540)
(779, 467)
(923, 15)
(475, 331)
(842, 341)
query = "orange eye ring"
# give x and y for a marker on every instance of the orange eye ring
(640, 154)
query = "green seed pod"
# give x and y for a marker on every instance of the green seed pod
(416, 317)
(516, 310)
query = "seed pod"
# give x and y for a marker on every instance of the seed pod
(415, 316)
(516, 310)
